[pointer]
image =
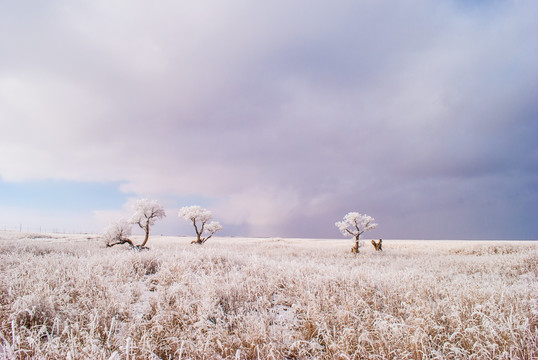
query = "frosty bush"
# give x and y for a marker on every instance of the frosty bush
(355, 224)
(201, 219)
(117, 234)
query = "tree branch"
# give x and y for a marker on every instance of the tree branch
(206, 238)
(121, 242)
(350, 232)
(198, 232)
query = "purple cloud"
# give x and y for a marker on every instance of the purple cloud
(286, 115)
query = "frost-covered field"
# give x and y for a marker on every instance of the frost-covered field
(65, 296)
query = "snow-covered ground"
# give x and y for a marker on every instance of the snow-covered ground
(68, 296)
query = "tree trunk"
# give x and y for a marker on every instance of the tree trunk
(198, 240)
(378, 245)
(355, 249)
(146, 229)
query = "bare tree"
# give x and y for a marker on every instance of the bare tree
(354, 224)
(378, 245)
(201, 219)
(146, 213)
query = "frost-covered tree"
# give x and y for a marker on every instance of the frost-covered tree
(201, 219)
(146, 213)
(117, 234)
(354, 224)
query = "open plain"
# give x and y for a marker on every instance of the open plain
(70, 297)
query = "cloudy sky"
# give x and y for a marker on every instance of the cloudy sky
(279, 116)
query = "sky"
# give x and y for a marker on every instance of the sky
(280, 117)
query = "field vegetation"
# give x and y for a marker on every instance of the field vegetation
(70, 297)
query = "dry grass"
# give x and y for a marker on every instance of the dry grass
(72, 298)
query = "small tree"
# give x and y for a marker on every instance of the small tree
(146, 213)
(117, 234)
(355, 224)
(201, 219)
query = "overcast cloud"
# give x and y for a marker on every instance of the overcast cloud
(284, 115)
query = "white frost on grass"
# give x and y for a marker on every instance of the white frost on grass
(268, 298)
